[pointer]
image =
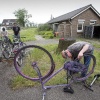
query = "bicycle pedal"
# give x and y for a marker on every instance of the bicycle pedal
(68, 89)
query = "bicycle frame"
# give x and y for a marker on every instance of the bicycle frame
(43, 82)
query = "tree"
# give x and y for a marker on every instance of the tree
(22, 16)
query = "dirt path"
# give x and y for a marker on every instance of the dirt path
(42, 41)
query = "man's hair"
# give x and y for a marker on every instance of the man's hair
(3, 29)
(14, 23)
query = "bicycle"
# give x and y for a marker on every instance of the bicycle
(10, 49)
(33, 67)
(5, 45)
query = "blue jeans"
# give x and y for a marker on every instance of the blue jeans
(87, 60)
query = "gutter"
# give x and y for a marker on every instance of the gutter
(71, 26)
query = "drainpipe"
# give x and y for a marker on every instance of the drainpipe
(70, 27)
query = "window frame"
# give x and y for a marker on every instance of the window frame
(93, 22)
(80, 22)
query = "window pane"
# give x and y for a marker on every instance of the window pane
(79, 26)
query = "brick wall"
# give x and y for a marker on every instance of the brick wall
(87, 16)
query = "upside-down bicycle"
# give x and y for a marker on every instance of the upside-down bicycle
(36, 68)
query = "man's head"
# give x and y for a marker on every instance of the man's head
(15, 24)
(3, 29)
(66, 53)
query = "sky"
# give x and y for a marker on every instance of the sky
(41, 10)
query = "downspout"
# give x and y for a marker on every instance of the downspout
(71, 26)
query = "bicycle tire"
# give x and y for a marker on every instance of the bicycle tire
(47, 66)
(24, 44)
(20, 58)
(7, 51)
(91, 68)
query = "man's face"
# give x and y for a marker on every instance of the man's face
(64, 55)
(15, 24)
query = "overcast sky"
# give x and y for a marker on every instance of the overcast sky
(42, 10)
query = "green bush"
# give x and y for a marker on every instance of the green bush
(44, 27)
(41, 32)
(48, 34)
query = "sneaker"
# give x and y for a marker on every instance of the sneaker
(68, 89)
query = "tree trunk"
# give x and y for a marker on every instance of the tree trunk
(64, 43)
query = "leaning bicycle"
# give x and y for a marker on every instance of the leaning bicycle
(5, 47)
(10, 49)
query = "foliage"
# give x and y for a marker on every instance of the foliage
(44, 27)
(48, 35)
(41, 32)
(45, 30)
(22, 16)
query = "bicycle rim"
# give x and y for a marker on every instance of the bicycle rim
(32, 54)
(77, 76)
(7, 52)
(19, 60)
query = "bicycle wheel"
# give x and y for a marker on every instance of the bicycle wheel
(21, 55)
(20, 59)
(36, 54)
(1, 48)
(77, 76)
(7, 51)
(22, 44)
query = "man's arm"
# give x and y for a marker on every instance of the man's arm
(85, 48)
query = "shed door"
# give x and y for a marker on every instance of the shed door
(88, 31)
(61, 31)
(67, 31)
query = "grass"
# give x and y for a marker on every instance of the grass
(19, 81)
(28, 33)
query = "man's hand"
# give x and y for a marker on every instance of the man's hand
(85, 48)
(80, 55)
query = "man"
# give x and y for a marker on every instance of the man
(76, 50)
(16, 30)
(4, 32)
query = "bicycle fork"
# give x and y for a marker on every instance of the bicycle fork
(34, 65)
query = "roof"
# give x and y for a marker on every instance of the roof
(9, 20)
(73, 14)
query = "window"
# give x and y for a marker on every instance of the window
(92, 22)
(7, 23)
(80, 25)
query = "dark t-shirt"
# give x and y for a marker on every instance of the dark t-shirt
(76, 47)
(16, 30)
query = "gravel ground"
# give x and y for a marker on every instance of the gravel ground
(7, 71)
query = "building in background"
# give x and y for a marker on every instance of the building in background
(8, 23)
(77, 23)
